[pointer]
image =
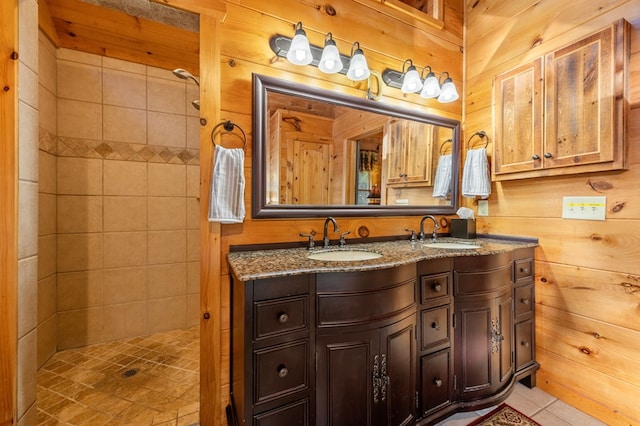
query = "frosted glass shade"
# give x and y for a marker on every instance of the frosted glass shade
(448, 93)
(411, 82)
(330, 62)
(358, 68)
(299, 53)
(431, 87)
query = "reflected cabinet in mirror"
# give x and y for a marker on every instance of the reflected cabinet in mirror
(320, 153)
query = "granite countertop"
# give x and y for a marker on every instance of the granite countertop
(270, 263)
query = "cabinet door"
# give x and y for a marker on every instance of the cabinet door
(409, 152)
(518, 119)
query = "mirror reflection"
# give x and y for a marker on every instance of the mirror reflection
(317, 150)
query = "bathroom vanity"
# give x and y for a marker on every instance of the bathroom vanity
(408, 337)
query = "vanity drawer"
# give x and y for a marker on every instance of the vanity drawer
(281, 370)
(435, 328)
(435, 373)
(523, 269)
(295, 414)
(525, 344)
(279, 316)
(434, 286)
(476, 283)
(524, 301)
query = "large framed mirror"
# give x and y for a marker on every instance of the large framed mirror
(321, 153)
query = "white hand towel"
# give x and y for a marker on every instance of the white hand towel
(475, 176)
(227, 186)
(442, 181)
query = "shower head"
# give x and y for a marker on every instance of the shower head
(196, 104)
(185, 75)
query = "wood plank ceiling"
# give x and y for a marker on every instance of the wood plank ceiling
(149, 33)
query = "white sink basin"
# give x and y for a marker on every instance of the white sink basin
(454, 246)
(344, 255)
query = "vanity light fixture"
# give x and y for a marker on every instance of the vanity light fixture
(431, 86)
(448, 92)
(299, 51)
(330, 62)
(358, 68)
(411, 83)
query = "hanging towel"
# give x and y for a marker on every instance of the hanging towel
(475, 176)
(442, 181)
(227, 186)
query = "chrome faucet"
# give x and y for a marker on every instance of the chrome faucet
(325, 240)
(435, 227)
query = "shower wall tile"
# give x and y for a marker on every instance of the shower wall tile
(193, 213)
(47, 256)
(193, 277)
(125, 178)
(123, 249)
(47, 339)
(125, 320)
(124, 285)
(193, 93)
(80, 327)
(28, 138)
(47, 66)
(193, 309)
(167, 247)
(28, 30)
(118, 64)
(47, 171)
(160, 73)
(166, 180)
(79, 213)
(166, 95)
(193, 245)
(47, 299)
(79, 252)
(27, 374)
(167, 280)
(79, 119)
(122, 124)
(78, 290)
(193, 132)
(28, 223)
(125, 213)
(167, 314)
(47, 106)
(125, 89)
(47, 214)
(193, 181)
(167, 213)
(166, 129)
(27, 295)
(79, 176)
(78, 56)
(80, 82)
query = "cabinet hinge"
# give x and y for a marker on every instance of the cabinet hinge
(316, 361)
(454, 320)
(455, 382)
(417, 400)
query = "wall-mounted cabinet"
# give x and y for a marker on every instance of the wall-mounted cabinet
(564, 113)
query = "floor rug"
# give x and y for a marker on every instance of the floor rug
(504, 415)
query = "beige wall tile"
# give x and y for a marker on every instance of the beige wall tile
(121, 65)
(27, 374)
(28, 141)
(78, 56)
(123, 249)
(80, 328)
(166, 129)
(193, 213)
(193, 277)
(47, 299)
(28, 30)
(125, 89)
(46, 214)
(47, 255)
(161, 73)
(79, 213)
(167, 180)
(167, 314)
(79, 176)
(125, 178)
(123, 124)
(166, 95)
(193, 245)
(27, 295)
(167, 213)
(193, 310)
(47, 171)
(79, 252)
(28, 86)
(193, 132)
(79, 119)
(167, 280)
(47, 339)
(80, 82)
(77, 290)
(28, 223)
(47, 110)
(167, 247)
(125, 214)
(47, 66)
(29, 418)
(124, 285)
(193, 181)
(125, 320)
(193, 93)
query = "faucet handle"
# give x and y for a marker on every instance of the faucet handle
(310, 235)
(343, 242)
(413, 237)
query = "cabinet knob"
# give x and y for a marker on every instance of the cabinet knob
(524, 301)
(437, 382)
(437, 286)
(524, 270)
(283, 318)
(525, 344)
(535, 157)
(282, 371)
(548, 155)
(435, 326)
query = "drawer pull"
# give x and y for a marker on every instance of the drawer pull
(282, 371)
(283, 318)
(524, 301)
(435, 326)
(436, 286)
(437, 382)
(525, 344)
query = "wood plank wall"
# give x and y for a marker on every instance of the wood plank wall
(386, 41)
(587, 272)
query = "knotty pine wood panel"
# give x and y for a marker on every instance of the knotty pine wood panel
(613, 401)
(482, 15)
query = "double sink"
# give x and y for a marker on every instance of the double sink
(354, 255)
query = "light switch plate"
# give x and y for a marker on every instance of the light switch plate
(483, 208)
(584, 208)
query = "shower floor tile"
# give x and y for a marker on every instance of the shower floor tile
(140, 381)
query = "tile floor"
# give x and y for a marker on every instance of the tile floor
(535, 403)
(150, 380)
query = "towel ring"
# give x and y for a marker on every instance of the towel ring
(482, 134)
(228, 126)
(444, 143)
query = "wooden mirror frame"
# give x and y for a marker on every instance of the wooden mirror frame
(262, 85)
